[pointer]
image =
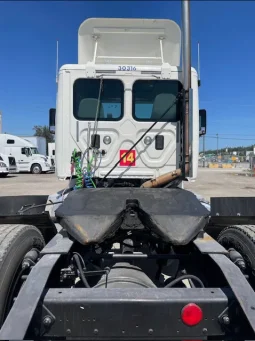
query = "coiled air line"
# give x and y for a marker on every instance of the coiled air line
(78, 171)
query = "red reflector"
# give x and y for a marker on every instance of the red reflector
(191, 314)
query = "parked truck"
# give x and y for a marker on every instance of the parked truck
(124, 252)
(41, 144)
(7, 165)
(25, 153)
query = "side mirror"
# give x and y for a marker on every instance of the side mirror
(202, 122)
(52, 116)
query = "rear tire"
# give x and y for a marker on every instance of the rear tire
(36, 169)
(242, 239)
(3, 175)
(15, 242)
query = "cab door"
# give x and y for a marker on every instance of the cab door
(24, 158)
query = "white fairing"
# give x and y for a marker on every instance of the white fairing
(135, 41)
(125, 64)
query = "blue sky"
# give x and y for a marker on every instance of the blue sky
(225, 29)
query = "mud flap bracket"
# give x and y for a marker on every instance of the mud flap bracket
(27, 300)
(242, 290)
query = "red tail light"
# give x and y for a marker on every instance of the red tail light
(191, 314)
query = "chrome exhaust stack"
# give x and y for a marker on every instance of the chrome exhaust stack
(186, 67)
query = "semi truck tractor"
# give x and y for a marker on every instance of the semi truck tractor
(27, 156)
(124, 252)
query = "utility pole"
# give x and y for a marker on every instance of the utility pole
(198, 64)
(217, 144)
(57, 64)
(204, 150)
(186, 67)
(0, 122)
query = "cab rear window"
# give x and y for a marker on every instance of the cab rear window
(86, 93)
(153, 98)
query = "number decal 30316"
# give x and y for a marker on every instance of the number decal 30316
(126, 68)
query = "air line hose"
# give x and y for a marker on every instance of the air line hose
(89, 183)
(79, 176)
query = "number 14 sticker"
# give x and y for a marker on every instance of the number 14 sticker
(128, 158)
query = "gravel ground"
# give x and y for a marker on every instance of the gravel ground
(210, 182)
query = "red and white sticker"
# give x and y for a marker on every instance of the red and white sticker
(128, 158)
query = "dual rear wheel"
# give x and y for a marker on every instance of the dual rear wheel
(242, 239)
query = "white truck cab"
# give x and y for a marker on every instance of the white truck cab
(26, 155)
(4, 165)
(7, 165)
(128, 74)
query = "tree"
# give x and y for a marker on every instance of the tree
(44, 131)
(241, 150)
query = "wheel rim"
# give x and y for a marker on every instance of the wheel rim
(36, 169)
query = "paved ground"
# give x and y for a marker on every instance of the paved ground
(210, 182)
(222, 182)
(30, 184)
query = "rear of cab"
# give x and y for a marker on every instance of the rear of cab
(135, 77)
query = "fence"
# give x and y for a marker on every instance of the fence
(224, 163)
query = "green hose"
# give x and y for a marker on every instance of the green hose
(89, 171)
(78, 170)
